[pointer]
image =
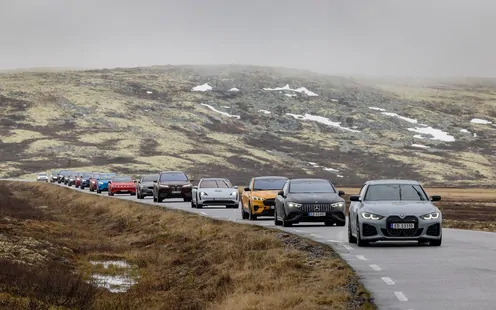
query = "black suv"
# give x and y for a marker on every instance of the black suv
(172, 184)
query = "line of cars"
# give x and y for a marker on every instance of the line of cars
(383, 210)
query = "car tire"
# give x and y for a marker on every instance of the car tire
(154, 198)
(244, 214)
(251, 216)
(193, 204)
(132, 194)
(351, 238)
(339, 223)
(199, 206)
(276, 221)
(436, 242)
(98, 191)
(186, 199)
(360, 242)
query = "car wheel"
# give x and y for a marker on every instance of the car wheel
(351, 238)
(199, 206)
(436, 242)
(276, 221)
(154, 198)
(98, 191)
(132, 194)
(192, 204)
(343, 223)
(251, 216)
(359, 241)
(244, 214)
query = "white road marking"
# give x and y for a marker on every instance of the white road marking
(388, 280)
(204, 213)
(347, 247)
(361, 257)
(375, 267)
(400, 296)
(297, 230)
(316, 236)
(337, 241)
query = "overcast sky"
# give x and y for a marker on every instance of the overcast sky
(372, 37)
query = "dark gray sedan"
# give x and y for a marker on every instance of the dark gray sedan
(144, 186)
(309, 200)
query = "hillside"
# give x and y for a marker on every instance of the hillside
(239, 121)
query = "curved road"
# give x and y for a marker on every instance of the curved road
(461, 274)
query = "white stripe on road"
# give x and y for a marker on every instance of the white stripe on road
(297, 230)
(349, 248)
(375, 267)
(400, 296)
(316, 236)
(361, 257)
(337, 241)
(204, 213)
(388, 280)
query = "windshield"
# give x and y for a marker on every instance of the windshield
(86, 175)
(42, 174)
(268, 184)
(96, 176)
(215, 184)
(311, 187)
(105, 176)
(150, 178)
(395, 192)
(122, 179)
(54, 172)
(167, 177)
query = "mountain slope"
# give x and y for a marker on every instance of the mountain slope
(239, 121)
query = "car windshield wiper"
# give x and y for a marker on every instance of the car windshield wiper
(418, 193)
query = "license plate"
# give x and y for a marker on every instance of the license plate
(316, 214)
(176, 192)
(402, 225)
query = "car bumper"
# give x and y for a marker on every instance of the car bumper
(146, 191)
(377, 230)
(123, 190)
(169, 193)
(296, 215)
(261, 209)
(222, 201)
(42, 180)
(85, 183)
(103, 187)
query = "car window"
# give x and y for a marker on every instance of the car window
(395, 192)
(268, 184)
(122, 179)
(42, 174)
(311, 187)
(167, 177)
(215, 184)
(150, 178)
(96, 176)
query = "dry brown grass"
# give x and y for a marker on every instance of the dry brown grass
(463, 208)
(184, 261)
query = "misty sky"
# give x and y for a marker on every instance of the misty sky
(372, 37)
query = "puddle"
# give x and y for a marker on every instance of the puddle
(119, 279)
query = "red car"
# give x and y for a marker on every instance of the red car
(79, 176)
(94, 181)
(121, 185)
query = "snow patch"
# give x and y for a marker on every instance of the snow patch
(114, 283)
(377, 109)
(420, 146)
(418, 137)
(149, 92)
(220, 112)
(116, 263)
(331, 169)
(410, 120)
(298, 90)
(464, 131)
(226, 107)
(480, 121)
(234, 89)
(315, 165)
(290, 95)
(339, 176)
(335, 100)
(436, 133)
(475, 135)
(203, 87)
(264, 111)
(322, 120)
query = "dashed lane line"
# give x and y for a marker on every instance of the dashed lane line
(349, 248)
(336, 241)
(400, 296)
(388, 280)
(316, 236)
(361, 257)
(375, 267)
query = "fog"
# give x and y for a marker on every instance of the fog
(366, 37)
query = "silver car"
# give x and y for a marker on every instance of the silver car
(391, 210)
(42, 177)
(215, 192)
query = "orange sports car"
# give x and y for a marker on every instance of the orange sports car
(258, 199)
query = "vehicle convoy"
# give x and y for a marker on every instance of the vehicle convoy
(62, 175)
(309, 200)
(102, 182)
(258, 198)
(79, 176)
(172, 184)
(144, 185)
(393, 210)
(121, 185)
(94, 181)
(42, 177)
(71, 179)
(54, 176)
(85, 180)
(215, 192)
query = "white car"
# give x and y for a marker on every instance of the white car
(215, 192)
(42, 177)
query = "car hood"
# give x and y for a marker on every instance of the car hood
(148, 184)
(265, 194)
(314, 198)
(386, 208)
(182, 183)
(123, 183)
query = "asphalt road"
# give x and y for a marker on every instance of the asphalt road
(461, 274)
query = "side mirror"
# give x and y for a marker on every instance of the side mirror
(355, 198)
(155, 181)
(109, 182)
(435, 198)
(195, 187)
(247, 189)
(280, 193)
(135, 181)
(191, 181)
(341, 193)
(235, 186)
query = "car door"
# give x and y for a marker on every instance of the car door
(246, 195)
(279, 201)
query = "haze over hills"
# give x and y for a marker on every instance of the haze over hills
(240, 121)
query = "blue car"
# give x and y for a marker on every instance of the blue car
(85, 180)
(102, 185)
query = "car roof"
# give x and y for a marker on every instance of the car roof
(212, 179)
(172, 172)
(269, 177)
(391, 181)
(309, 180)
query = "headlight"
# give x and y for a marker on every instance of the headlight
(234, 193)
(293, 204)
(203, 194)
(338, 205)
(100, 183)
(257, 198)
(430, 216)
(164, 186)
(187, 185)
(371, 216)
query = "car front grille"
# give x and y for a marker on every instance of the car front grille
(317, 207)
(175, 188)
(408, 232)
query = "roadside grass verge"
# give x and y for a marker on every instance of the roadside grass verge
(177, 260)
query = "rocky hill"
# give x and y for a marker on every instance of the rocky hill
(240, 121)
